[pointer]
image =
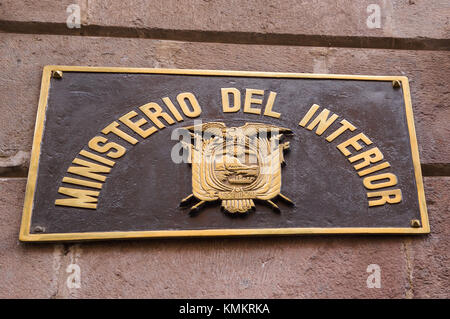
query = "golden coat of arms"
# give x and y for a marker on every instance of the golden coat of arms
(236, 165)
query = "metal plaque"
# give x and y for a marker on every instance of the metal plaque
(133, 153)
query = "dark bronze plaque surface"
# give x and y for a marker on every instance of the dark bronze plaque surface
(140, 194)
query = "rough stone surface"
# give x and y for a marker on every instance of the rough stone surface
(244, 268)
(25, 56)
(428, 258)
(330, 17)
(25, 272)
(268, 267)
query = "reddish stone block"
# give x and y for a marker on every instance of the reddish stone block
(428, 257)
(26, 271)
(399, 19)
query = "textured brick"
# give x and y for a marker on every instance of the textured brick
(400, 18)
(25, 56)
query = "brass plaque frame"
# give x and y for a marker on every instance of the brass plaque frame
(27, 236)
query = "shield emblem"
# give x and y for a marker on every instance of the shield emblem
(236, 165)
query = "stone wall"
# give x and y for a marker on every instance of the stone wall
(327, 36)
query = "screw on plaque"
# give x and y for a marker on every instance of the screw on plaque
(57, 74)
(39, 229)
(415, 223)
(396, 84)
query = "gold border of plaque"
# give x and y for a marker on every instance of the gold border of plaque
(420, 227)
